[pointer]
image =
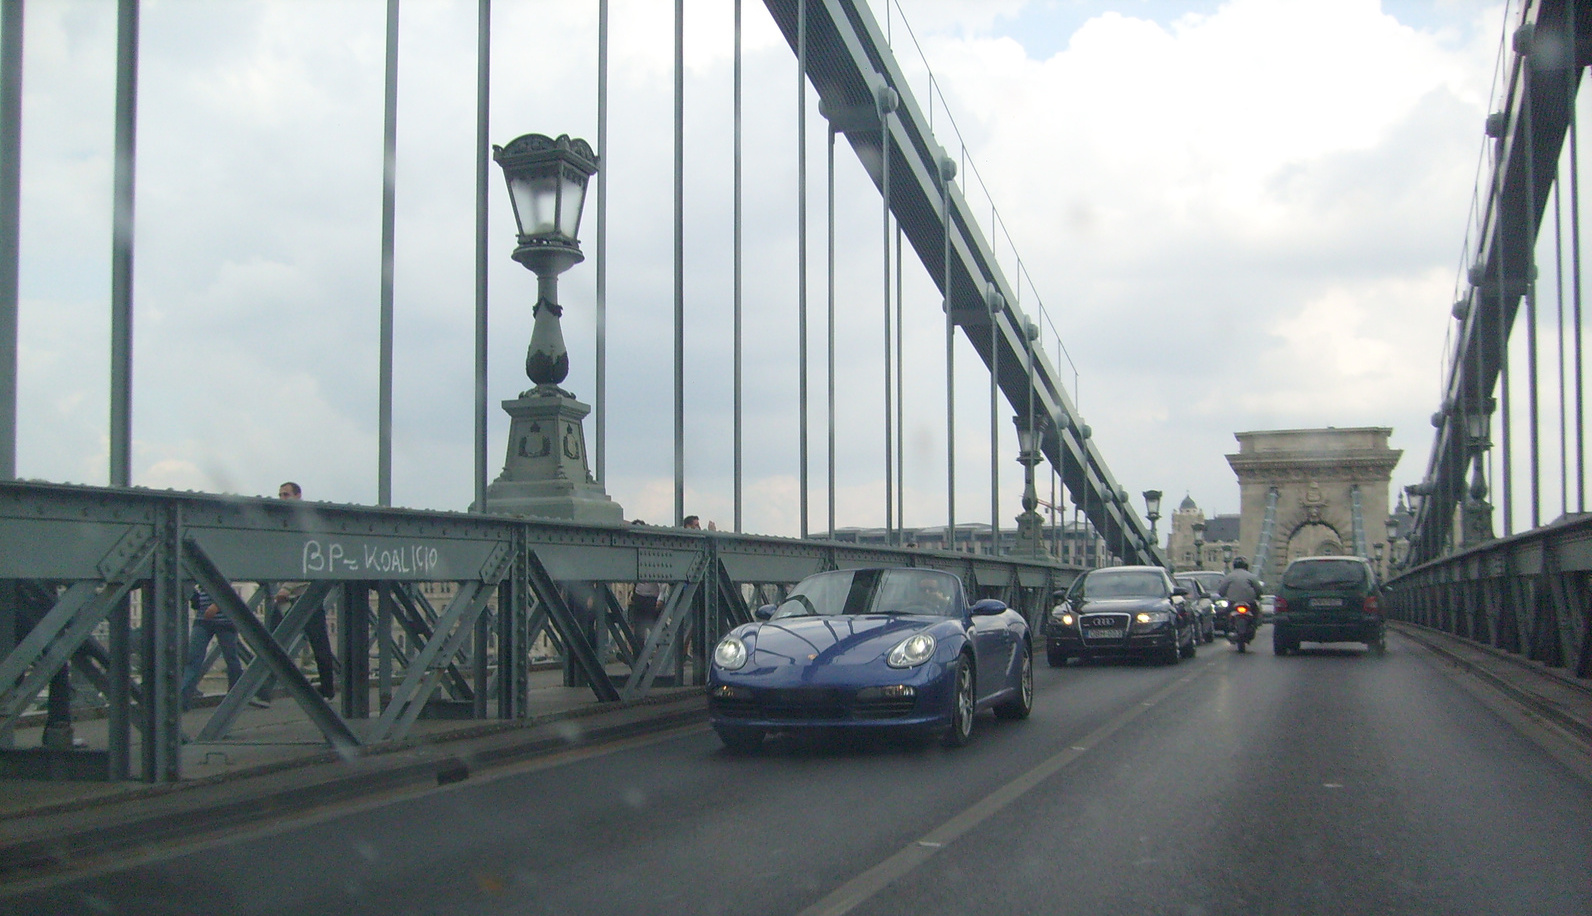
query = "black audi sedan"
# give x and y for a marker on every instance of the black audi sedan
(1118, 612)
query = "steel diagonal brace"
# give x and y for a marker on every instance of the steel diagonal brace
(623, 635)
(455, 625)
(577, 647)
(265, 647)
(663, 640)
(733, 610)
(416, 616)
(289, 634)
(48, 646)
(53, 641)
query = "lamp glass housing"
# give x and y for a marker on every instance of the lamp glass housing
(1152, 502)
(1027, 439)
(547, 181)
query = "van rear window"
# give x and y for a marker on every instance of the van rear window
(1325, 574)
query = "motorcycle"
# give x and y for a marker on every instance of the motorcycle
(1241, 624)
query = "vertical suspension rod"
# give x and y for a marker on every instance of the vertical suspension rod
(121, 432)
(483, 152)
(600, 404)
(1531, 308)
(947, 172)
(829, 326)
(884, 107)
(801, 251)
(679, 262)
(389, 180)
(737, 245)
(10, 225)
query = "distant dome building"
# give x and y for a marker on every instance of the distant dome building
(1220, 534)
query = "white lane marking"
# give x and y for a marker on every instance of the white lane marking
(860, 889)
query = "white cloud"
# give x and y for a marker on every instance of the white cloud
(1277, 180)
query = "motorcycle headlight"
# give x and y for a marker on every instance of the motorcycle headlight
(911, 652)
(730, 653)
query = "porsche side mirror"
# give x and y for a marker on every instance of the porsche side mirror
(987, 607)
(765, 612)
(1180, 590)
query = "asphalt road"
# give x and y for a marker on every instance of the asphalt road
(1331, 782)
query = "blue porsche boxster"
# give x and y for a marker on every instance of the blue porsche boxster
(871, 648)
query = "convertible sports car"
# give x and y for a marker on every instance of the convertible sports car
(871, 648)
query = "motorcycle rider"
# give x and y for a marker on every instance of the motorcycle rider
(1241, 585)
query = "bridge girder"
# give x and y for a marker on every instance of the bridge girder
(848, 60)
(1544, 77)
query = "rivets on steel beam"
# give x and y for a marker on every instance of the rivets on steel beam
(1461, 309)
(1497, 123)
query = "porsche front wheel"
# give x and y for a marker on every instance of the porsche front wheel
(962, 704)
(1019, 706)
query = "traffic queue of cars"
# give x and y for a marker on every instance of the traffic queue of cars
(905, 649)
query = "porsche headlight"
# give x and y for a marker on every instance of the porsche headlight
(911, 652)
(730, 653)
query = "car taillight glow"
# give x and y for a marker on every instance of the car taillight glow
(1372, 605)
(1281, 606)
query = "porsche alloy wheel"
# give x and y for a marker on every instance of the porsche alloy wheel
(1021, 705)
(961, 730)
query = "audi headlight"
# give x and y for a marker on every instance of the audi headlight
(730, 653)
(911, 652)
(1151, 618)
(1067, 620)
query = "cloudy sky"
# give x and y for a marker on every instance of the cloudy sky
(1230, 215)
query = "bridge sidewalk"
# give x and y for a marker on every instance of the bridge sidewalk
(275, 764)
(1560, 698)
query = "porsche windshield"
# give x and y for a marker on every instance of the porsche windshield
(872, 591)
(1135, 584)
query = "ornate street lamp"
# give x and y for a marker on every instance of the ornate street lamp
(1152, 511)
(1376, 552)
(1030, 525)
(546, 473)
(1476, 526)
(1227, 557)
(1392, 522)
(1199, 545)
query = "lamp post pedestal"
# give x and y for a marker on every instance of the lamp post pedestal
(546, 474)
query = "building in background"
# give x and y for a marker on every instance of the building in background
(1219, 539)
(1322, 485)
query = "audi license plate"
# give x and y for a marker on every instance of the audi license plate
(1104, 634)
(1326, 602)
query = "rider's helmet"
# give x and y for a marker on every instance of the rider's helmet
(1240, 563)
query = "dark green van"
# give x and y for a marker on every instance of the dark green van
(1328, 599)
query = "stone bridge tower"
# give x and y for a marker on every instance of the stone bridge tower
(1314, 472)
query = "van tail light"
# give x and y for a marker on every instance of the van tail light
(1372, 605)
(1279, 605)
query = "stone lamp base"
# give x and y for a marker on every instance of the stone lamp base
(546, 474)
